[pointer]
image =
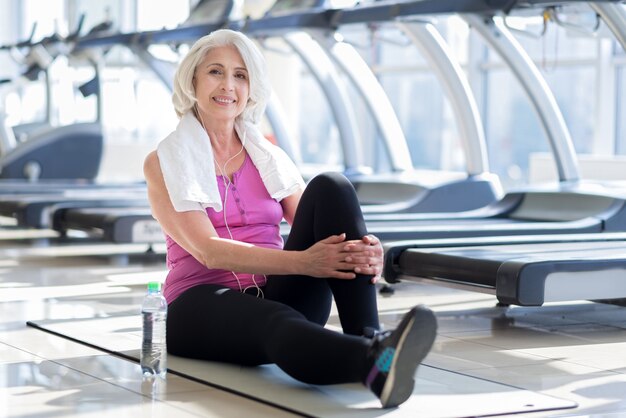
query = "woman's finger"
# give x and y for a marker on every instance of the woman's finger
(333, 239)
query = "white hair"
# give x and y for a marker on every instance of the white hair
(184, 97)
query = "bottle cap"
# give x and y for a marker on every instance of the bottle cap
(154, 287)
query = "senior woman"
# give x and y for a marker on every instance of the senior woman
(219, 190)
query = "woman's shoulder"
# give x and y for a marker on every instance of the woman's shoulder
(151, 164)
(152, 158)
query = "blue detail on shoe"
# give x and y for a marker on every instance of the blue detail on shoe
(383, 363)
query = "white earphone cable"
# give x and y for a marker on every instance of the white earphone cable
(227, 182)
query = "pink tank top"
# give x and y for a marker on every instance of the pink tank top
(252, 217)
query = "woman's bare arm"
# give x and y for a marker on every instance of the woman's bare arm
(194, 232)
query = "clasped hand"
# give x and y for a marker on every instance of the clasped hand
(342, 259)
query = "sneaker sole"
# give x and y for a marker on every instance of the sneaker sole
(415, 343)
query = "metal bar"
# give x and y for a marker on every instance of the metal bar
(614, 15)
(324, 71)
(535, 86)
(374, 97)
(426, 37)
(276, 118)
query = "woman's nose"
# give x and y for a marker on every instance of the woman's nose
(227, 84)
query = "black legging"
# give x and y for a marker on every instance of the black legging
(287, 326)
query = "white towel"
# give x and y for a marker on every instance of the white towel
(186, 159)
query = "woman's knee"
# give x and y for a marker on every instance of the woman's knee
(329, 179)
(330, 184)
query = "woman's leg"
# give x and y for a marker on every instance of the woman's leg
(328, 206)
(214, 323)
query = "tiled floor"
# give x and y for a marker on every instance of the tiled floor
(570, 351)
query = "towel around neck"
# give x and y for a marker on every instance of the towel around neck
(186, 160)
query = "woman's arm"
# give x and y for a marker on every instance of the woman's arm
(290, 204)
(194, 232)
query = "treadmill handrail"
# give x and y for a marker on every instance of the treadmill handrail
(455, 83)
(614, 15)
(544, 102)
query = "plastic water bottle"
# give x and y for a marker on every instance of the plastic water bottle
(153, 358)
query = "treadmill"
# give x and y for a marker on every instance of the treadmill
(41, 151)
(524, 270)
(54, 180)
(123, 225)
(528, 270)
(536, 210)
(578, 209)
(47, 186)
(35, 210)
(307, 26)
(125, 218)
(487, 220)
(119, 225)
(30, 204)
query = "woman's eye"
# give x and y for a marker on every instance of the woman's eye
(214, 71)
(241, 75)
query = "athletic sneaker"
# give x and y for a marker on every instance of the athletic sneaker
(395, 356)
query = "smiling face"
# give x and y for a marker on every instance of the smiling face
(222, 84)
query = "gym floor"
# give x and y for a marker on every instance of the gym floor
(572, 351)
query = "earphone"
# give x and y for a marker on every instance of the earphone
(227, 182)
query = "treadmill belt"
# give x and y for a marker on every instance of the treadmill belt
(460, 228)
(526, 274)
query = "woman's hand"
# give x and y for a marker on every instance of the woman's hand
(366, 256)
(327, 258)
(335, 257)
